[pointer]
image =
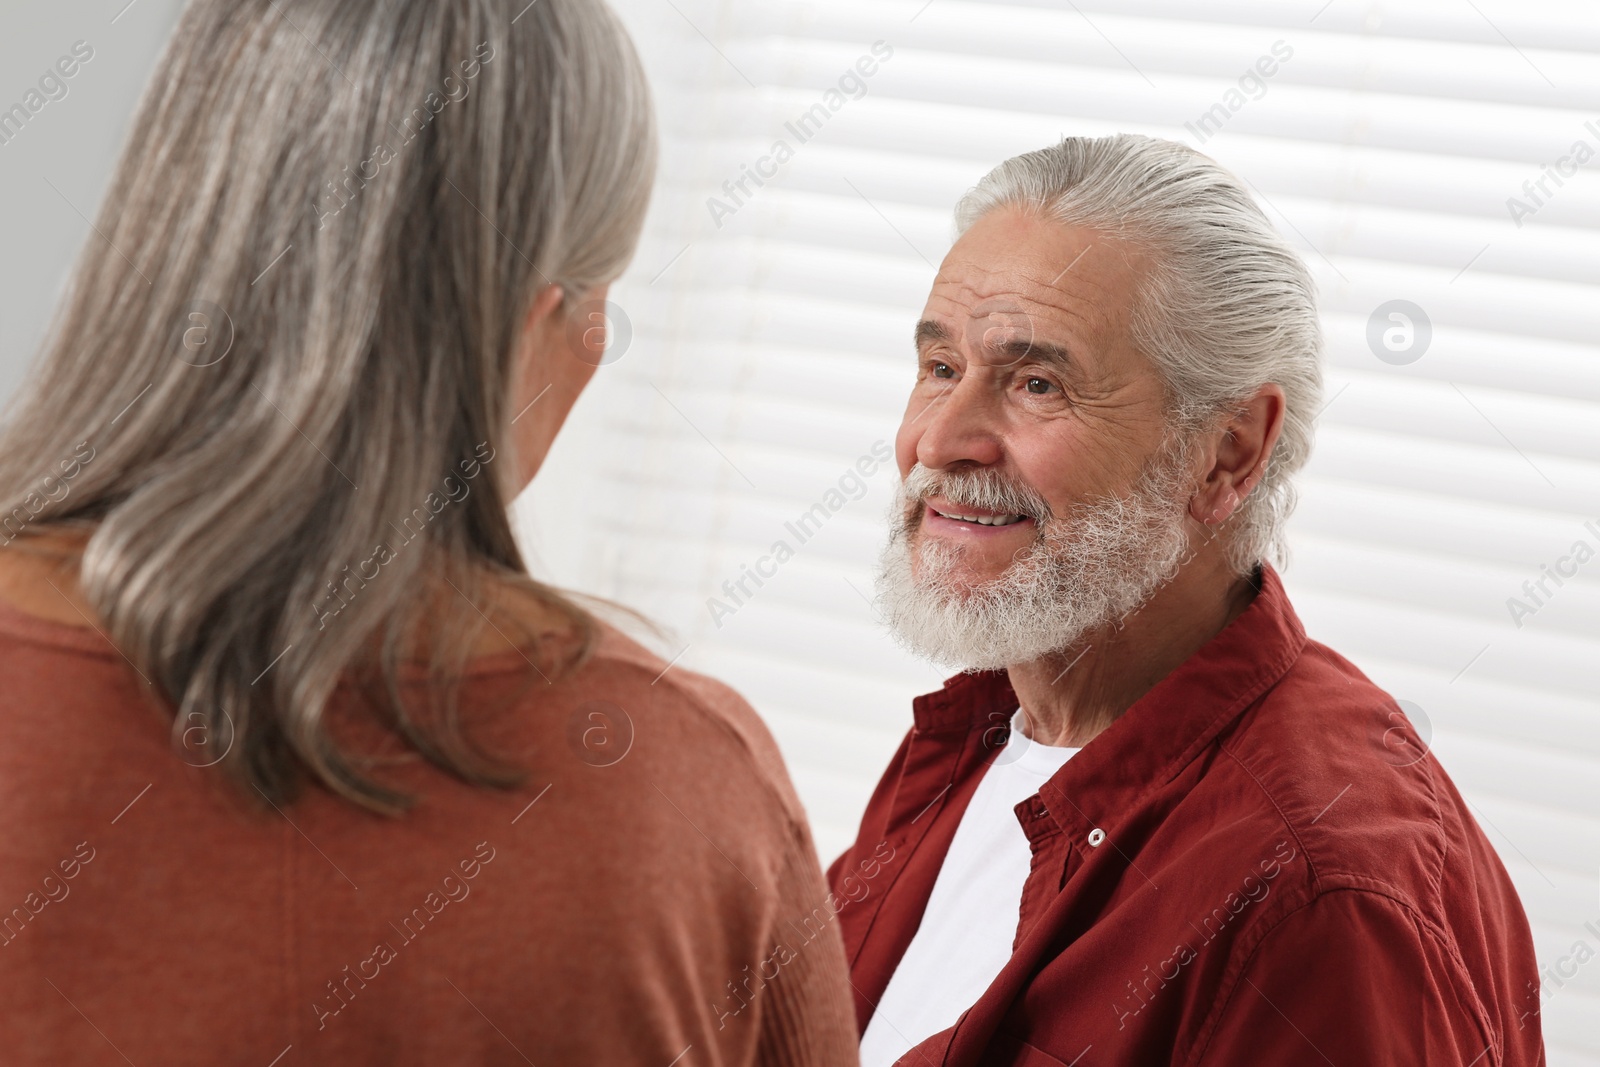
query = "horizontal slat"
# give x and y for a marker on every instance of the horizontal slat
(1562, 25)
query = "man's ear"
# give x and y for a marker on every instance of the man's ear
(1240, 456)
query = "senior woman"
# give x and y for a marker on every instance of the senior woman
(298, 765)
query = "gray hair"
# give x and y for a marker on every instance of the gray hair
(1228, 305)
(361, 198)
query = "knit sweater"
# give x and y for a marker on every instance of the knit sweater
(652, 896)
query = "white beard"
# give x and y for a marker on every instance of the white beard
(1079, 575)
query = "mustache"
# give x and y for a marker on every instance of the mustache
(979, 488)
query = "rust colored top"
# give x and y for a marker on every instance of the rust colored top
(651, 897)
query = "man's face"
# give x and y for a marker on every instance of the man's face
(1034, 415)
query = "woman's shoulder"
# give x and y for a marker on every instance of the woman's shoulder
(631, 689)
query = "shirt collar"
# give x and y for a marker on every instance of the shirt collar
(1160, 733)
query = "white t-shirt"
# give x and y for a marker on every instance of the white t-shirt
(971, 919)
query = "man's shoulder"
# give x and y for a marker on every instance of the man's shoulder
(1331, 762)
(1366, 858)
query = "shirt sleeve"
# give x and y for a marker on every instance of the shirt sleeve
(1351, 977)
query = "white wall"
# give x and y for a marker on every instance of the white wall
(53, 171)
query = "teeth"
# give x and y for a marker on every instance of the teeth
(982, 520)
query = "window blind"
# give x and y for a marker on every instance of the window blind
(724, 472)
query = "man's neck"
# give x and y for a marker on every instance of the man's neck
(1070, 696)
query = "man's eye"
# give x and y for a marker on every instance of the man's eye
(943, 370)
(1039, 385)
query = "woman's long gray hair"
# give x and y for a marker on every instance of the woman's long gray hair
(278, 382)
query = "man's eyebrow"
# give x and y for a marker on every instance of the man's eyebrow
(1047, 352)
(929, 331)
(1009, 352)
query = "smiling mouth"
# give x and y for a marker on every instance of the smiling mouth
(980, 520)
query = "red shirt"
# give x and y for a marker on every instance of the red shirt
(1257, 863)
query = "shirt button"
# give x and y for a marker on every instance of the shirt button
(1096, 836)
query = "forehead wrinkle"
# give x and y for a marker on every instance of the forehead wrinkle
(1034, 298)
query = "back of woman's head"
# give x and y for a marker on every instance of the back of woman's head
(280, 374)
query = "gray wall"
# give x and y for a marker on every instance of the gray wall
(70, 143)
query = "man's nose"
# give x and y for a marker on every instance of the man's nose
(963, 426)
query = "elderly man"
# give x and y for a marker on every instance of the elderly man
(1152, 822)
